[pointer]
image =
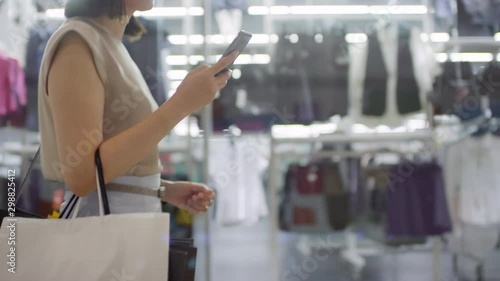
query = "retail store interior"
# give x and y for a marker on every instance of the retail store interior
(356, 140)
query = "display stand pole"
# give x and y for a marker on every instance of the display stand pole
(208, 132)
(274, 173)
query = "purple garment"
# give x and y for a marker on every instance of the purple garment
(417, 204)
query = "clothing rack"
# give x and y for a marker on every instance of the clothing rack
(351, 254)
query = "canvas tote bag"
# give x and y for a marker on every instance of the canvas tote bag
(128, 247)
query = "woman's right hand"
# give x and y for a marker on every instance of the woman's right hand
(200, 86)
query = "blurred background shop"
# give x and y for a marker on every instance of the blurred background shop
(357, 140)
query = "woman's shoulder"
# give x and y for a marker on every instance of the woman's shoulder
(77, 26)
(76, 36)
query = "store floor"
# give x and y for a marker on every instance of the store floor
(242, 254)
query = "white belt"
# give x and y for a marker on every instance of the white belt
(147, 185)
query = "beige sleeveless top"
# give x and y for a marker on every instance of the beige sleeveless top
(128, 99)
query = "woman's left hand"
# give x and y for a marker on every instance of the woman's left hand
(193, 197)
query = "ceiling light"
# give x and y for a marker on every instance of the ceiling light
(236, 74)
(354, 38)
(172, 12)
(177, 60)
(177, 74)
(54, 13)
(339, 10)
(471, 57)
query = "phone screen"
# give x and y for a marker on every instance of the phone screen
(238, 44)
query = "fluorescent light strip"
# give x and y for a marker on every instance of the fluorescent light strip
(339, 10)
(398, 10)
(274, 38)
(355, 38)
(472, 57)
(177, 60)
(175, 84)
(172, 12)
(436, 37)
(442, 57)
(177, 74)
(465, 57)
(257, 39)
(194, 60)
(55, 13)
(155, 12)
(249, 59)
(219, 39)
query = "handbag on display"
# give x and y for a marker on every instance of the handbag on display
(107, 247)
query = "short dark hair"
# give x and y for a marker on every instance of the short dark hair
(114, 9)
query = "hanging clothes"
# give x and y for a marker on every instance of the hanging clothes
(229, 15)
(487, 84)
(311, 76)
(315, 199)
(248, 102)
(417, 204)
(12, 93)
(366, 94)
(407, 91)
(236, 175)
(475, 17)
(146, 54)
(16, 19)
(375, 85)
(450, 90)
(338, 199)
(37, 42)
(473, 176)
(294, 92)
(473, 189)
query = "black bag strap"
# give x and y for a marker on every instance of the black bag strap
(104, 195)
(102, 184)
(73, 200)
(21, 188)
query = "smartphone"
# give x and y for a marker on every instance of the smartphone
(238, 44)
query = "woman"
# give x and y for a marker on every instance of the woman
(91, 94)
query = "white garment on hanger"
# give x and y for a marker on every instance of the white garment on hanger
(229, 21)
(236, 171)
(16, 18)
(425, 66)
(477, 180)
(473, 192)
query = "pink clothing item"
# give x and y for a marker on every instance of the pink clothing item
(20, 84)
(13, 105)
(13, 94)
(4, 86)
